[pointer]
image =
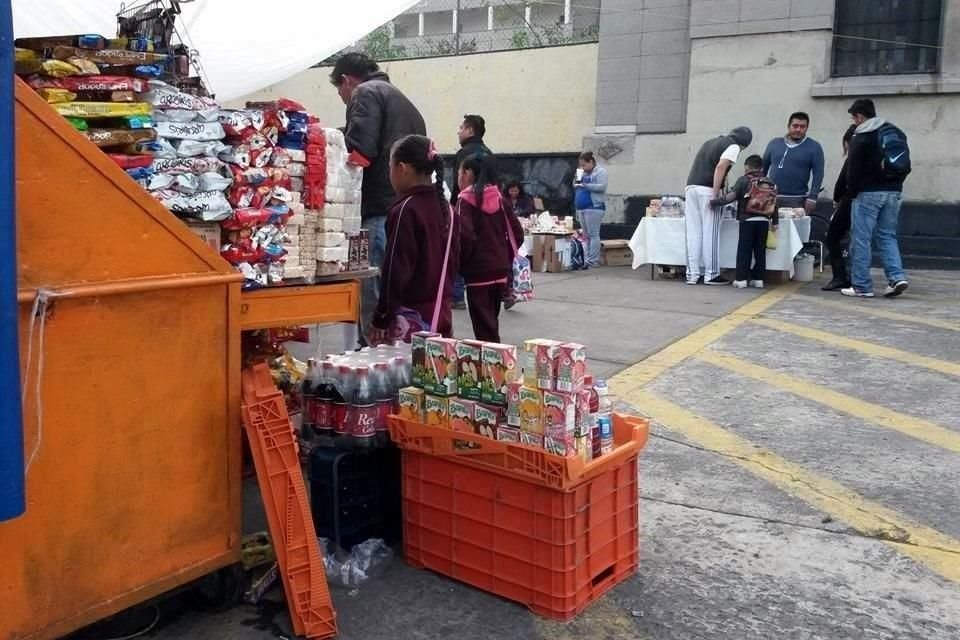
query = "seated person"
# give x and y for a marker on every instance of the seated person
(517, 201)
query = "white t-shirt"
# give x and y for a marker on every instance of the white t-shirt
(731, 153)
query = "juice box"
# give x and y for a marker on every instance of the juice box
(532, 439)
(418, 349)
(437, 411)
(559, 414)
(470, 362)
(486, 419)
(560, 446)
(582, 421)
(440, 377)
(513, 404)
(462, 415)
(506, 433)
(584, 446)
(571, 367)
(546, 362)
(530, 364)
(531, 410)
(411, 404)
(499, 370)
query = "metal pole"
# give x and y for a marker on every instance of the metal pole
(12, 493)
(456, 26)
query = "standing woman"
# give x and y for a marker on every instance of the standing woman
(591, 203)
(423, 247)
(840, 223)
(489, 233)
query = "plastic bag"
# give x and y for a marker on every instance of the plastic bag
(369, 559)
(200, 131)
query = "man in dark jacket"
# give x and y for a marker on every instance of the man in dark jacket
(378, 114)
(470, 133)
(876, 189)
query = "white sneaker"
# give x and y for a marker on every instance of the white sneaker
(739, 284)
(894, 289)
(853, 293)
(756, 284)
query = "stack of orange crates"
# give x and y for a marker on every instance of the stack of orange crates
(549, 532)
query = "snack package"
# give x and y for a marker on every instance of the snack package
(513, 404)
(27, 61)
(531, 410)
(79, 124)
(462, 415)
(559, 416)
(418, 350)
(506, 433)
(329, 225)
(212, 181)
(531, 439)
(102, 109)
(209, 206)
(441, 368)
(486, 419)
(499, 370)
(183, 115)
(109, 56)
(571, 367)
(58, 69)
(55, 96)
(177, 166)
(470, 359)
(86, 67)
(436, 411)
(131, 162)
(103, 83)
(200, 131)
(412, 404)
(117, 137)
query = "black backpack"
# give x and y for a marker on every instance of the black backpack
(578, 257)
(894, 152)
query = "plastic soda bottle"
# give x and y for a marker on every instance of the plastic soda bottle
(363, 411)
(342, 388)
(325, 392)
(605, 417)
(383, 392)
(595, 443)
(307, 411)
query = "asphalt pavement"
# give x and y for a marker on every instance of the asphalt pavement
(801, 481)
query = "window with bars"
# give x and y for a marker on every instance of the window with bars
(883, 37)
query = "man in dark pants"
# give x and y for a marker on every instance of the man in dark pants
(470, 133)
(378, 114)
(840, 223)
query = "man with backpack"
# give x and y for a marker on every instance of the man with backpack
(877, 166)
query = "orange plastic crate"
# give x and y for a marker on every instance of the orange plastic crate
(479, 519)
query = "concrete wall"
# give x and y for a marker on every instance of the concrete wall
(534, 100)
(758, 80)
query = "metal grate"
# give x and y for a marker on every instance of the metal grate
(152, 19)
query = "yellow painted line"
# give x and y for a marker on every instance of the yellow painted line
(869, 308)
(645, 371)
(869, 348)
(936, 550)
(915, 427)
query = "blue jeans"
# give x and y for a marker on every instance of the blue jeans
(590, 220)
(370, 288)
(875, 216)
(459, 289)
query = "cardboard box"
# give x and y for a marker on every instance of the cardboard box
(470, 359)
(437, 411)
(486, 419)
(500, 368)
(440, 376)
(550, 253)
(616, 253)
(411, 404)
(209, 232)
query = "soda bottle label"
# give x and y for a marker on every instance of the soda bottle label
(364, 420)
(323, 414)
(340, 417)
(384, 409)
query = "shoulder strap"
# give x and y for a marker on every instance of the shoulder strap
(506, 219)
(443, 274)
(396, 232)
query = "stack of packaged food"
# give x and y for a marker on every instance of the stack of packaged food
(340, 221)
(477, 387)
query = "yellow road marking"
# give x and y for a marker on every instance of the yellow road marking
(936, 550)
(645, 371)
(915, 427)
(950, 368)
(868, 307)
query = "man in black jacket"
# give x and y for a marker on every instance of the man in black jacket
(876, 188)
(378, 114)
(470, 133)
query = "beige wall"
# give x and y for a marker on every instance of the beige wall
(534, 101)
(758, 80)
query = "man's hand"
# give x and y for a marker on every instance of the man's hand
(775, 227)
(716, 202)
(810, 206)
(376, 336)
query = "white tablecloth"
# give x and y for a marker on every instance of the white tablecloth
(664, 241)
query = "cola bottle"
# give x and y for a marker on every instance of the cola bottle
(362, 412)
(384, 393)
(398, 380)
(307, 410)
(324, 395)
(342, 388)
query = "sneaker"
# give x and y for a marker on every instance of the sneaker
(697, 281)
(853, 293)
(460, 306)
(836, 285)
(895, 288)
(756, 284)
(719, 281)
(739, 284)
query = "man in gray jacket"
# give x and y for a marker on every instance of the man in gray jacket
(378, 114)
(705, 183)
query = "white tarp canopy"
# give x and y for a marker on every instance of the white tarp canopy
(244, 45)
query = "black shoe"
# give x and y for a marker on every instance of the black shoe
(719, 281)
(459, 306)
(835, 285)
